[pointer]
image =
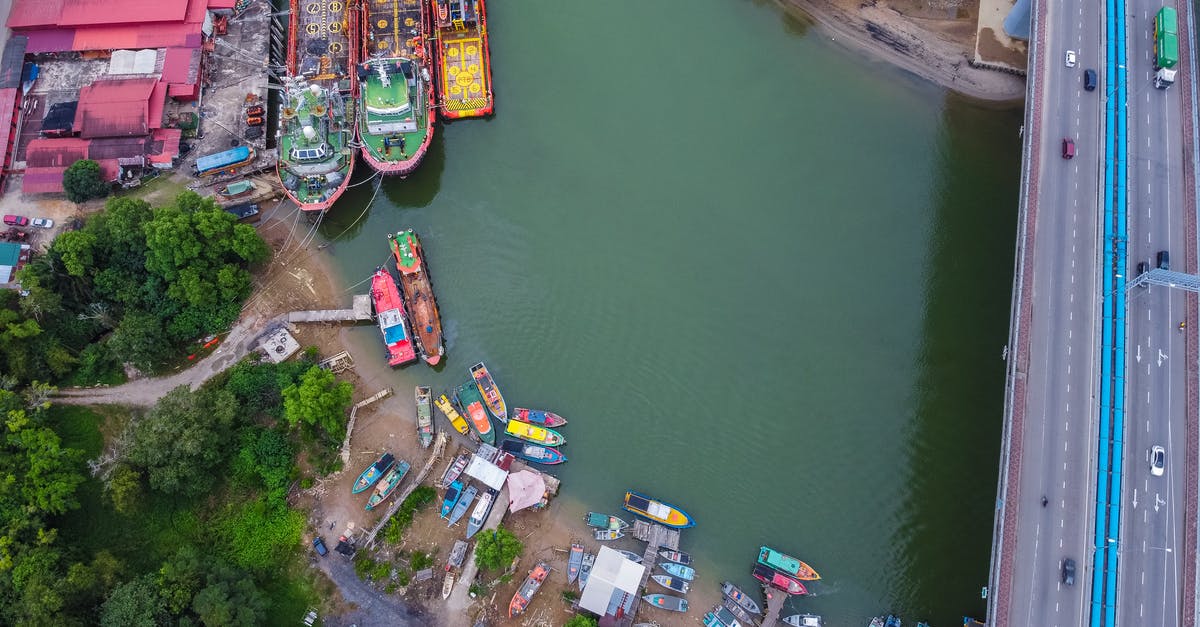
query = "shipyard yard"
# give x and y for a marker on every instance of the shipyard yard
(409, 247)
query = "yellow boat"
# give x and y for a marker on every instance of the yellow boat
(532, 433)
(658, 511)
(455, 418)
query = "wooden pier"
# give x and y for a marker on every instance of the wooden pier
(384, 393)
(360, 310)
(775, 600)
(655, 536)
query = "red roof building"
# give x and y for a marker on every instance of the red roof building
(118, 108)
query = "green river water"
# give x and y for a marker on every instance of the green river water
(765, 280)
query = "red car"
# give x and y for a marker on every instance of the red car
(16, 220)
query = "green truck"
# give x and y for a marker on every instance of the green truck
(1166, 47)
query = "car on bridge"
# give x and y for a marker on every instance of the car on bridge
(1068, 148)
(1070, 58)
(1068, 572)
(1158, 461)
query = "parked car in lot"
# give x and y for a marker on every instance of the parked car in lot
(12, 220)
(45, 223)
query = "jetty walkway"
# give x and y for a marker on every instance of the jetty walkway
(655, 536)
(775, 601)
(360, 310)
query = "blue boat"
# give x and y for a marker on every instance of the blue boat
(531, 452)
(892, 621)
(452, 494)
(686, 573)
(464, 501)
(373, 473)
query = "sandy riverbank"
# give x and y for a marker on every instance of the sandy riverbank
(937, 50)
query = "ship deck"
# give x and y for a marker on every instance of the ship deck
(464, 76)
(322, 40)
(395, 28)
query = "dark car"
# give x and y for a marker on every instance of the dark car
(1164, 260)
(1142, 268)
(1089, 80)
(12, 220)
(1068, 148)
(1068, 572)
(319, 545)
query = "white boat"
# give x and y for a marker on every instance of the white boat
(479, 516)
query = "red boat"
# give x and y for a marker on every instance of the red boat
(523, 595)
(776, 579)
(389, 311)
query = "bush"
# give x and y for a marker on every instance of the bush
(393, 533)
(497, 549)
(579, 620)
(421, 561)
(83, 181)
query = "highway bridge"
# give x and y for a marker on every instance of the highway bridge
(1102, 352)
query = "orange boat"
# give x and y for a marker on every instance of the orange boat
(463, 59)
(534, 581)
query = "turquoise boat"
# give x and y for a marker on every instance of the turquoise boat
(388, 484)
(373, 473)
(451, 499)
(786, 564)
(686, 573)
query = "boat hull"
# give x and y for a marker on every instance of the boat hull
(786, 564)
(672, 583)
(741, 598)
(391, 319)
(778, 580)
(373, 473)
(666, 602)
(686, 573)
(424, 416)
(456, 420)
(464, 60)
(419, 297)
(463, 504)
(538, 417)
(388, 484)
(528, 588)
(574, 562)
(477, 416)
(489, 391)
(533, 453)
(657, 511)
(451, 499)
(537, 435)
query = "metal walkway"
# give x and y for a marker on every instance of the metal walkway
(654, 536)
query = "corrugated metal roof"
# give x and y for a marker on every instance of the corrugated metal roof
(42, 181)
(53, 40)
(158, 98)
(10, 253)
(53, 153)
(34, 13)
(117, 147)
(180, 65)
(8, 104)
(116, 108)
(164, 145)
(12, 63)
(133, 61)
(93, 12)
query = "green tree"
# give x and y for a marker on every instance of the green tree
(318, 399)
(579, 620)
(141, 340)
(183, 439)
(83, 181)
(125, 489)
(265, 456)
(230, 598)
(133, 604)
(78, 252)
(497, 549)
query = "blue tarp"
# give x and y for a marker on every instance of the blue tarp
(1016, 23)
(223, 159)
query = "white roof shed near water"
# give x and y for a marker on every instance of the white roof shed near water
(490, 474)
(613, 582)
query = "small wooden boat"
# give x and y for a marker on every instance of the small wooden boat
(469, 399)
(672, 583)
(786, 564)
(238, 189)
(710, 620)
(804, 620)
(892, 621)
(424, 416)
(489, 391)
(523, 595)
(608, 534)
(727, 618)
(631, 556)
(451, 498)
(373, 473)
(538, 417)
(574, 562)
(455, 469)
(604, 521)
(464, 502)
(388, 484)
(876, 622)
(740, 612)
(456, 420)
(531, 452)
(457, 555)
(686, 573)
(657, 511)
(585, 568)
(741, 598)
(479, 516)
(447, 585)
(666, 602)
(537, 435)
(776, 579)
(679, 557)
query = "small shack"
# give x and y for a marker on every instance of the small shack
(612, 585)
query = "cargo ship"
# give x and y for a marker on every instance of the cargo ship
(463, 58)
(389, 312)
(396, 112)
(316, 130)
(418, 295)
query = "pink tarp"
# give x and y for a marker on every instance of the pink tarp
(525, 489)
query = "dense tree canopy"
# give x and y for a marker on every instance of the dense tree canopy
(497, 549)
(318, 400)
(83, 180)
(183, 438)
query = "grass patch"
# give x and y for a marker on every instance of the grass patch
(393, 533)
(79, 427)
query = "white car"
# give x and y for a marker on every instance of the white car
(45, 223)
(1070, 58)
(1158, 460)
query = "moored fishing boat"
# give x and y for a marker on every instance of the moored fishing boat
(741, 598)
(740, 612)
(528, 588)
(892, 621)
(727, 618)
(657, 511)
(464, 502)
(472, 403)
(464, 60)
(455, 469)
(489, 391)
(419, 298)
(776, 579)
(532, 452)
(456, 420)
(396, 113)
(607, 534)
(574, 562)
(538, 417)
(479, 516)
(709, 620)
(679, 557)
(786, 564)
(631, 556)
(876, 622)
(447, 585)
(604, 521)
(537, 435)
(686, 573)
(585, 568)
(388, 484)
(424, 416)
(666, 602)
(804, 620)
(373, 473)
(451, 498)
(672, 583)
(389, 312)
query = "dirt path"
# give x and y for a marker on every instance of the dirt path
(372, 607)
